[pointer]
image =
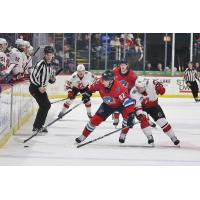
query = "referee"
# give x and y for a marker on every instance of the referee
(42, 74)
(191, 77)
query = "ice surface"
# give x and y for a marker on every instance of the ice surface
(58, 146)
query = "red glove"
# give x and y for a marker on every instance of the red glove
(71, 95)
(160, 89)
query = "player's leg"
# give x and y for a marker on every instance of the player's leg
(101, 115)
(159, 117)
(88, 109)
(68, 102)
(87, 105)
(124, 132)
(144, 124)
(195, 91)
(115, 116)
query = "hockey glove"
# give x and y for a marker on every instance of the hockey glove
(160, 89)
(86, 96)
(131, 120)
(71, 95)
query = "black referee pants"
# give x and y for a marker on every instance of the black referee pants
(194, 88)
(44, 105)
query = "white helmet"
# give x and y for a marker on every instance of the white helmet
(27, 44)
(20, 42)
(3, 41)
(81, 67)
(140, 82)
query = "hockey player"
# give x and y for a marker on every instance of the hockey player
(127, 78)
(115, 98)
(28, 67)
(147, 92)
(17, 60)
(3, 61)
(3, 57)
(78, 82)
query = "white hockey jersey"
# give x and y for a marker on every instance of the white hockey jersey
(3, 61)
(149, 98)
(17, 60)
(28, 66)
(80, 83)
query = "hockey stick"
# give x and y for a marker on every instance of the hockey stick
(101, 137)
(62, 99)
(59, 100)
(58, 118)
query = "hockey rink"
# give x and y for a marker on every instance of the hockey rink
(58, 146)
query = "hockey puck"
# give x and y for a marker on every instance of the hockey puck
(26, 146)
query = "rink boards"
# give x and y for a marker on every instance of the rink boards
(175, 87)
(16, 106)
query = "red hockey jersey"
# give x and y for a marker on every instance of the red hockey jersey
(127, 80)
(116, 96)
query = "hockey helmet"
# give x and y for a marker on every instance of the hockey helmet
(80, 67)
(140, 82)
(108, 75)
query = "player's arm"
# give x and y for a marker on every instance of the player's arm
(159, 88)
(89, 90)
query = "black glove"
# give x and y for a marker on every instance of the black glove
(131, 120)
(86, 96)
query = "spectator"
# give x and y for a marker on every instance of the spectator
(69, 63)
(197, 66)
(97, 46)
(116, 47)
(126, 41)
(149, 67)
(130, 35)
(115, 42)
(159, 67)
(138, 48)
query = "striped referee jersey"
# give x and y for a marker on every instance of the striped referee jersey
(190, 75)
(41, 74)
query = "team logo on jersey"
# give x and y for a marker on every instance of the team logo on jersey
(117, 89)
(108, 100)
(124, 83)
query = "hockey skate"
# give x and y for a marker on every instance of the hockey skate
(60, 115)
(197, 100)
(42, 131)
(89, 115)
(150, 140)
(80, 139)
(175, 140)
(122, 137)
(115, 122)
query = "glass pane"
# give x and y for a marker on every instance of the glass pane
(59, 49)
(133, 49)
(97, 51)
(69, 53)
(155, 52)
(182, 51)
(82, 49)
(196, 50)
